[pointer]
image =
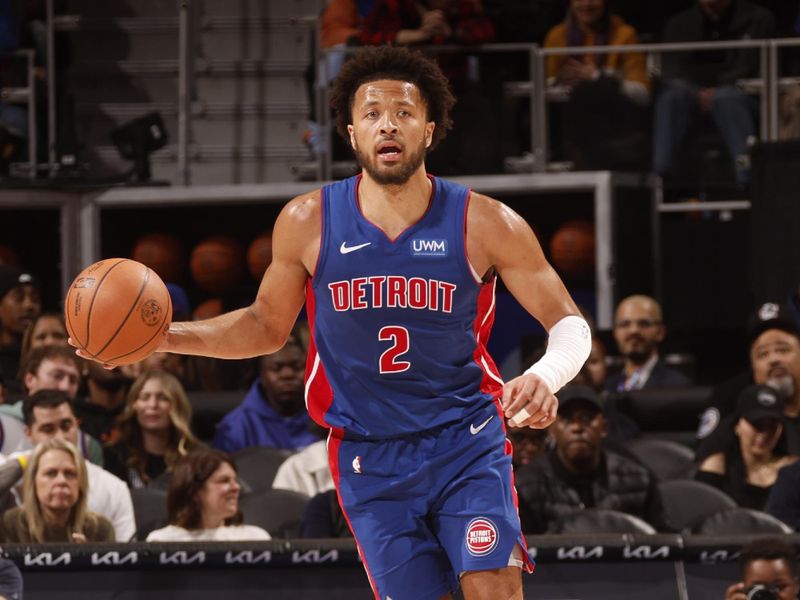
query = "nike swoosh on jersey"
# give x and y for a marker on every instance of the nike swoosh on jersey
(345, 249)
(474, 430)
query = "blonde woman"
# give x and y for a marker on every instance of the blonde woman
(153, 430)
(55, 488)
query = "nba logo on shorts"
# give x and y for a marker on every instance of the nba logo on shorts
(481, 536)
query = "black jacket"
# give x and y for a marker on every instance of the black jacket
(661, 376)
(743, 21)
(548, 492)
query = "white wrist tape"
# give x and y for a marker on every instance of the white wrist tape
(568, 347)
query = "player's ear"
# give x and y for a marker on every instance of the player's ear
(351, 133)
(429, 127)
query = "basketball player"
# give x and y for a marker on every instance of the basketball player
(397, 270)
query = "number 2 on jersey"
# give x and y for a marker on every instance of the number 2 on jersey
(398, 336)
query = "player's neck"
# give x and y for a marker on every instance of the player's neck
(395, 207)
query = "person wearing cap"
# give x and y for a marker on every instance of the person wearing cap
(748, 467)
(774, 346)
(638, 331)
(581, 472)
(20, 304)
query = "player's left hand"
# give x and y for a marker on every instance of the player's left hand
(528, 402)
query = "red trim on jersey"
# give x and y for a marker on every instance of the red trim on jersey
(319, 395)
(334, 441)
(427, 210)
(484, 319)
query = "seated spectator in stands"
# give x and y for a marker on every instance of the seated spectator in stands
(604, 119)
(273, 413)
(20, 304)
(748, 468)
(47, 329)
(100, 408)
(526, 444)
(770, 563)
(580, 472)
(48, 415)
(774, 346)
(203, 502)
(784, 497)
(638, 331)
(55, 501)
(11, 584)
(323, 518)
(705, 81)
(154, 430)
(307, 471)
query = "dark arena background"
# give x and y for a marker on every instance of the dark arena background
(174, 131)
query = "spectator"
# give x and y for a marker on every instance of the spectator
(604, 119)
(100, 408)
(638, 331)
(579, 472)
(154, 430)
(307, 471)
(748, 468)
(526, 444)
(705, 81)
(784, 497)
(203, 502)
(49, 415)
(20, 304)
(774, 342)
(11, 584)
(771, 564)
(323, 518)
(47, 329)
(55, 505)
(273, 412)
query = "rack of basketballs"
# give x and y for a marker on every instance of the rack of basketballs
(218, 265)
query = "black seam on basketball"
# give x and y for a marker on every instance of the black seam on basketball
(158, 331)
(91, 304)
(128, 316)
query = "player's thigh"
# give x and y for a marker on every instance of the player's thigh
(496, 584)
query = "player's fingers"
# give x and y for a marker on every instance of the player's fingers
(529, 408)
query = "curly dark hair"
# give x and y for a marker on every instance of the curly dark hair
(398, 64)
(769, 549)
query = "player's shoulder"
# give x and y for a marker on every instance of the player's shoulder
(302, 212)
(489, 214)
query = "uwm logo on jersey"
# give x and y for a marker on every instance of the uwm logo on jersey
(420, 247)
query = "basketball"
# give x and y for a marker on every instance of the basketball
(572, 248)
(118, 311)
(259, 255)
(217, 263)
(162, 253)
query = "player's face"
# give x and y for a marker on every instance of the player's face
(19, 307)
(282, 378)
(774, 574)
(638, 330)
(56, 422)
(48, 331)
(390, 134)
(775, 360)
(760, 438)
(152, 406)
(578, 433)
(54, 374)
(219, 497)
(56, 482)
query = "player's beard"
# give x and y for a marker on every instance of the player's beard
(396, 174)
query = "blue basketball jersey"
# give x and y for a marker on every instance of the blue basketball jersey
(399, 327)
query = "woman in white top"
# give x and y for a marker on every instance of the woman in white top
(203, 502)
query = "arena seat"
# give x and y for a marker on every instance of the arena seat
(258, 465)
(740, 521)
(666, 413)
(277, 511)
(666, 459)
(602, 521)
(208, 408)
(149, 510)
(686, 502)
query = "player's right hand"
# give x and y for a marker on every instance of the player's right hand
(85, 355)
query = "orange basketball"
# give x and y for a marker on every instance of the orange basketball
(572, 248)
(212, 307)
(162, 253)
(259, 255)
(118, 311)
(217, 263)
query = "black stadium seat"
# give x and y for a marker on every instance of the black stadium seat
(666, 459)
(277, 511)
(602, 521)
(741, 521)
(208, 408)
(257, 466)
(149, 510)
(687, 502)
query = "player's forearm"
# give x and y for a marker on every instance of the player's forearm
(237, 334)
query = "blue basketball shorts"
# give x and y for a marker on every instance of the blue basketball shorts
(426, 508)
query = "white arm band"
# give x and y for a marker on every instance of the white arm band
(568, 347)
